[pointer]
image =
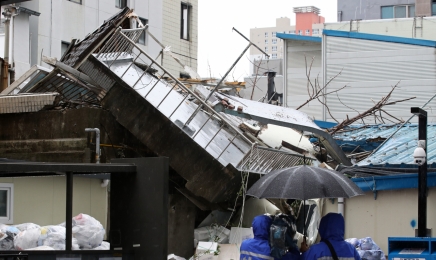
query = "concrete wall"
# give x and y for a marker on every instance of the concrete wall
(42, 200)
(185, 50)
(393, 214)
(364, 9)
(21, 46)
(181, 224)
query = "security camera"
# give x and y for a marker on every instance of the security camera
(419, 156)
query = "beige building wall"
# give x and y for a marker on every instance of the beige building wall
(423, 7)
(42, 200)
(185, 50)
(267, 41)
(265, 38)
(392, 214)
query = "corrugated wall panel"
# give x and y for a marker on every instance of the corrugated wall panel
(299, 60)
(341, 44)
(371, 68)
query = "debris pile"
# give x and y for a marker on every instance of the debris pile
(88, 233)
(212, 233)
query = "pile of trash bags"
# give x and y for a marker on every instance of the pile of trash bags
(367, 248)
(88, 234)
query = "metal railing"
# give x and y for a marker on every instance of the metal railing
(267, 160)
(122, 45)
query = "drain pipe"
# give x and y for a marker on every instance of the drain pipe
(341, 206)
(97, 142)
(104, 183)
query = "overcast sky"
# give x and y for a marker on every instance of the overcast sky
(219, 47)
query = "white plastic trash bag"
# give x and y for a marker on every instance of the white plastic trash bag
(88, 231)
(104, 246)
(26, 226)
(27, 239)
(6, 240)
(367, 248)
(41, 248)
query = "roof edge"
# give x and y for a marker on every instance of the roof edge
(287, 36)
(378, 37)
(392, 182)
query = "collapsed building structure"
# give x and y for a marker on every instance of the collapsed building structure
(107, 81)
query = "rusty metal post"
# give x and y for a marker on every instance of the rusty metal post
(97, 142)
(5, 66)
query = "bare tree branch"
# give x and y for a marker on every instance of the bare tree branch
(315, 91)
(371, 111)
(328, 110)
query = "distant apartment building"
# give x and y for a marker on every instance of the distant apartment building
(307, 22)
(384, 9)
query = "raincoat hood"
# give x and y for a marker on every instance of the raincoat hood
(332, 227)
(261, 225)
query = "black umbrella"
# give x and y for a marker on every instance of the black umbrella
(304, 182)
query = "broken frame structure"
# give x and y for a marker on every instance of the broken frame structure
(206, 148)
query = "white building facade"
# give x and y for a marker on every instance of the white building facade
(173, 23)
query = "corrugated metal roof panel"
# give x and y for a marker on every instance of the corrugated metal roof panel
(400, 147)
(68, 86)
(82, 49)
(25, 102)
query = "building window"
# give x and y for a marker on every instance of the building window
(266, 41)
(120, 3)
(274, 48)
(292, 32)
(433, 8)
(76, 1)
(141, 39)
(266, 49)
(274, 55)
(307, 32)
(6, 203)
(266, 35)
(64, 47)
(274, 41)
(300, 32)
(185, 23)
(273, 34)
(397, 11)
(315, 31)
(184, 76)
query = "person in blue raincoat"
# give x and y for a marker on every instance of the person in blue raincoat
(331, 229)
(258, 248)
